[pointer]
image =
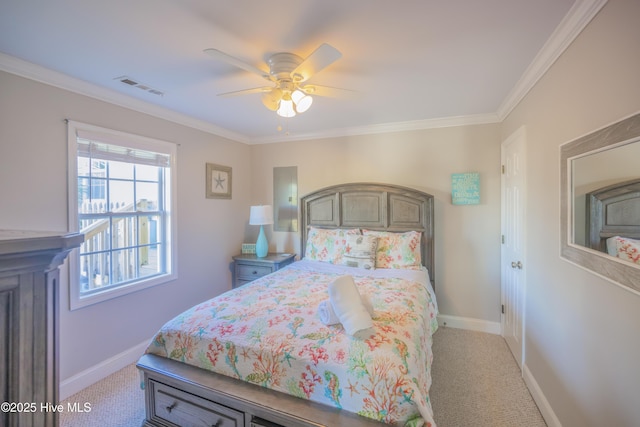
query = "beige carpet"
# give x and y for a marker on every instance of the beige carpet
(476, 382)
(116, 401)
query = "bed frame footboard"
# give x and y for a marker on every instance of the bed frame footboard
(179, 394)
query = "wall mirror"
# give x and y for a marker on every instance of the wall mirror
(600, 202)
(285, 198)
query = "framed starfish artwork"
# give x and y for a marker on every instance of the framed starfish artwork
(218, 183)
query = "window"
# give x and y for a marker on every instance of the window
(121, 199)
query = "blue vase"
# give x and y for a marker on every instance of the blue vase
(262, 247)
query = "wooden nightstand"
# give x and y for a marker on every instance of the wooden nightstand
(249, 267)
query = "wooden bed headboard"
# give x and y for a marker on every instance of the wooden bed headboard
(613, 210)
(382, 207)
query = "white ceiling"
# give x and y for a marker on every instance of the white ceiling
(414, 63)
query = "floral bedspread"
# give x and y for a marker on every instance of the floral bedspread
(268, 333)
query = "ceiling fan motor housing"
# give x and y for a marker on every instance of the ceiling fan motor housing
(282, 64)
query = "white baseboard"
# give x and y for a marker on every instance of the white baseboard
(84, 379)
(470, 324)
(543, 404)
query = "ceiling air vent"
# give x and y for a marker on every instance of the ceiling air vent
(128, 81)
(132, 82)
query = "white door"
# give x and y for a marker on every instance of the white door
(513, 264)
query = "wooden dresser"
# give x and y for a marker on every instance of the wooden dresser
(29, 281)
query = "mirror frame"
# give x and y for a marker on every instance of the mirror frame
(620, 272)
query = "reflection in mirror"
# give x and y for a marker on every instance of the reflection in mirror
(606, 195)
(600, 202)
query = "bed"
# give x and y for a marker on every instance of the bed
(613, 220)
(259, 355)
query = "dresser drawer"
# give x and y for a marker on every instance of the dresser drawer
(184, 409)
(259, 422)
(252, 272)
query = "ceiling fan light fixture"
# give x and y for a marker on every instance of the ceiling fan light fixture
(286, 107)
(288, 73)
(271, 99)
(301, 100)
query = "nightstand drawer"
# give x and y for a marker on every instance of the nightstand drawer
(252, 272)
(249, 267)
(184, 409)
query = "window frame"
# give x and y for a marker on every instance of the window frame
(109, 136)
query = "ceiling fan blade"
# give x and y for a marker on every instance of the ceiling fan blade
(319, 59)
(215, 53)
(333, 92)
(264, 89)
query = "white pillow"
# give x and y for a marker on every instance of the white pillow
(360, 251)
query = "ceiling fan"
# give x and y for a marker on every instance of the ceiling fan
(288, 95)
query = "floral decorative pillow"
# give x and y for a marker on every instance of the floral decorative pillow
(628, 249)
(327, 245)
(360, 252)
(397, 250)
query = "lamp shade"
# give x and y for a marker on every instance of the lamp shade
(261, 215)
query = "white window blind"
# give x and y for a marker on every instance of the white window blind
(109, 147)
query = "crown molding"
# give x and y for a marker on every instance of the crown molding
(44, 75)
(580, 14)
(477, 119)
(50, 77)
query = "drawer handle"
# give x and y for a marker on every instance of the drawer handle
(218, 423)
(254, 272)
(170, 407)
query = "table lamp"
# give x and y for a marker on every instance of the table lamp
(261, 215)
